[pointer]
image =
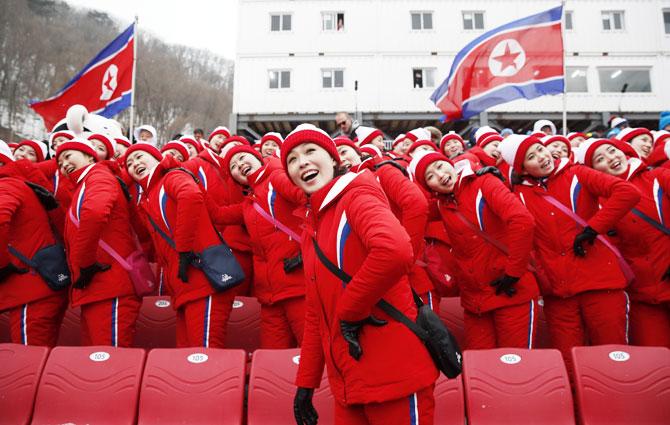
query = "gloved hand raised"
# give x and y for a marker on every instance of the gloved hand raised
(490, 170)
(185, 260)
(86, 274)
(350, 332)
(505, 284)
(303, 409)
(9, 270)
(588, 235)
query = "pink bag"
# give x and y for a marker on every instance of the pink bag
(136, 264)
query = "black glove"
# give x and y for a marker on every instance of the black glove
(292, 263)
(666, 275)
(350, 332)
(490, 170)
(9, 270)
(185, 260)
(46, 198)
(303, 409)
(588, 235)
(505, 284)
(86, 274)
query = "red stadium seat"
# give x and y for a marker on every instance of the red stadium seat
(449, 404)
(20, 370)
(156, 324)
(70, 328)
(193, 386)
(96, 385)
(244, 325)
(514, 386)
(618, 384)
(451, 314)
(5, 334)
(271, 389)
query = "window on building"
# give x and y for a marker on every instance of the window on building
(423, 77)
(280, 22)
(279, 79)
(575, 79)
(666, 20)
(422, 20)
(332, 21)
(332, 78)
(473, 20)
(624, 80)
(613, 20)
(568, 19)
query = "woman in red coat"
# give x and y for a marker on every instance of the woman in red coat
(99, 212)
(583, 295)
(407, 203)
(498, 293)
(280, 280)
(641, 239)
(35, 310)
(175, 203)
(379, 371)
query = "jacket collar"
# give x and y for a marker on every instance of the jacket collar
(79, 175)
(209, 156)
(329, 193)
(635, 166)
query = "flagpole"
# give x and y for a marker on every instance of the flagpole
(565, 85)
(132, 93)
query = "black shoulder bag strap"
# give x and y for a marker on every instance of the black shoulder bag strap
(651, 221)
(382, 304)
(21, 257)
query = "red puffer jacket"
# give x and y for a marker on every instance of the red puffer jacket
(645, 247)
(23, 225)
(410, 206)
(103, 213)
(175, 203)
(578, 188)
(221, 188)
(351, 220)
(489, 206)
(270, 245)
(62, 189)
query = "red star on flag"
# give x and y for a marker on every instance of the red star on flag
(507, 58)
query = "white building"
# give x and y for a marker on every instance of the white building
(304, 60)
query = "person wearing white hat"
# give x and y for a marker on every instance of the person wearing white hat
(32, 150)
(370, 135)
(35, 309)
(544, 126)
(641, 236)
(146, 134)
(573, 204)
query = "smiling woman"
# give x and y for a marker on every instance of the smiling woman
(373, 362)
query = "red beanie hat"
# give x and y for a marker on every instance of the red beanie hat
(123, 140)
(547, 140)
(275, 137)
(451, 136)
(307, 133)
(191, 141)
(514, 147)
(219, 130)
(422, 162)
(61, 133)
(398, 139)
(239, 139)
(77, 144)
(420, 142)
(238, 149)
(488, 138)
(628, 134)
(576, 134)
(146, 147)
(109, 145)
(178, 146)
(584, 154)
(345, 141)
(371, 150)
(5, 152)
(39, 148)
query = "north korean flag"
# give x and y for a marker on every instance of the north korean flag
(521, 59)
(104, 86)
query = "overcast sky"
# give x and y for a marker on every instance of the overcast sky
(206, 24)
